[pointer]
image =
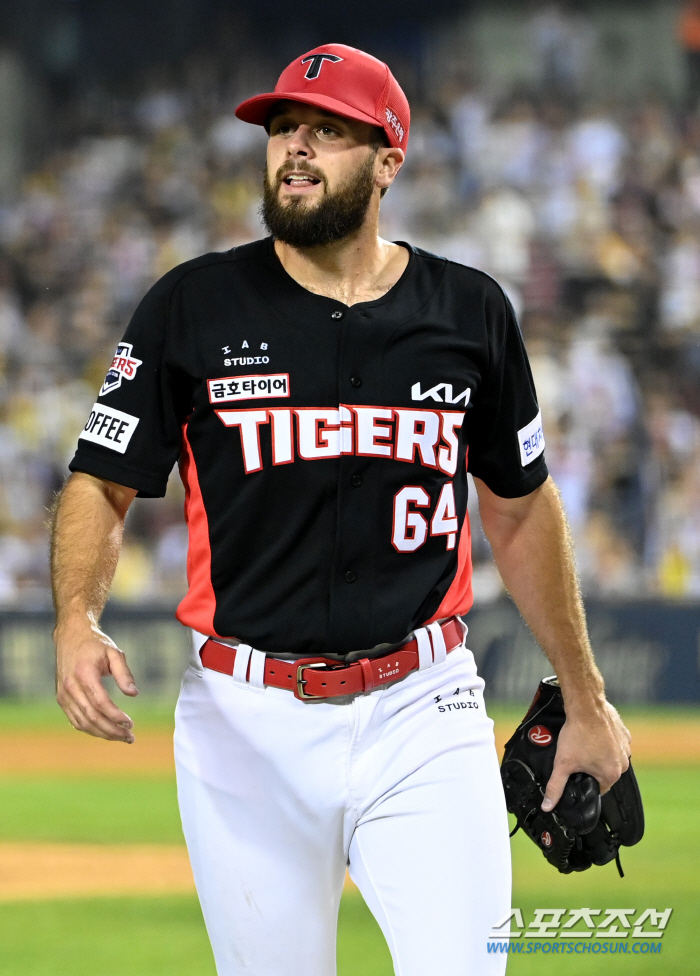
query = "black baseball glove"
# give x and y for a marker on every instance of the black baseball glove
(584, 828)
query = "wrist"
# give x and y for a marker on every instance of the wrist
(583, 697)
(75, 627)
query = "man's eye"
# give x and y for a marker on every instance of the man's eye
(326, 130)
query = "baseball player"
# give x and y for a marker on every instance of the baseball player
(325, 392)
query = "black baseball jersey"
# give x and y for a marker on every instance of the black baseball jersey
(323, 448)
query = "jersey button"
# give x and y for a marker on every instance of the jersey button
(350, 577)
(355, 381)
(337, 315)
(356, 480)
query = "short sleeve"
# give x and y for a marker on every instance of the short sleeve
(133, 433)
(506, 441)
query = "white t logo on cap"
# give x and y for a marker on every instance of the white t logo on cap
(314, 69)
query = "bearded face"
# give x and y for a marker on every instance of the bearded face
(299, 222)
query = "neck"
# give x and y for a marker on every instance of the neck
(359, 268)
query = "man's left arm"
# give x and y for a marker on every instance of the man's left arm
(532, 548)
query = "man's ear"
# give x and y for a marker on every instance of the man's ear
(390, 162)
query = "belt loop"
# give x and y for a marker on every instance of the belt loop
(367, 676)
(240, 665)
(425, 651)
(439, 646)
(257, 671)
(463, 627)
(198, 642)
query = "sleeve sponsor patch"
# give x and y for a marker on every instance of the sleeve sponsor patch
(531, 440)
(248, 387)
(109, 427)
(123, 367)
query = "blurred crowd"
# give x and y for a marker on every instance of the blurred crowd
(587, 213)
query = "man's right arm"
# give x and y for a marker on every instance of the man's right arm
(88, 524)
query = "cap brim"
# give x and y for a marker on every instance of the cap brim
(257, 109)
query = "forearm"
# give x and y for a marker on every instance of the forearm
(88, 522)
(532, 548)
(87, 530)
(533, 552)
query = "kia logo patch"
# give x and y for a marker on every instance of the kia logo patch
(540, 735)
(546, 839)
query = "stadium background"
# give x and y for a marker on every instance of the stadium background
(556, 146)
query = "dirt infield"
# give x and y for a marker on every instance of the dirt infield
(79, 870)
(65, 752)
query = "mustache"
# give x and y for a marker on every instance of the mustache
(291, 167)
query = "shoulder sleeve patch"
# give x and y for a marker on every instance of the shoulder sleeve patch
(531, 440)
(109, 427)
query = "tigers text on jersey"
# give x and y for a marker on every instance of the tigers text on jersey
(323, 447)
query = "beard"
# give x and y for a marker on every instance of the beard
(338, 214)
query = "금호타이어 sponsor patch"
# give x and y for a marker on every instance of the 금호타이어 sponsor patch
(123, 367)
(109, 427)
(531, 440)
(248, 387)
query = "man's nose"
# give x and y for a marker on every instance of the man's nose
(300, 142)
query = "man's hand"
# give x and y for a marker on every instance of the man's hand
(82, 660)
(594, 742)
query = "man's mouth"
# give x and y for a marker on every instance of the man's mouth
(300, 179)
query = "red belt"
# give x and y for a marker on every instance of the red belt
(317, 677)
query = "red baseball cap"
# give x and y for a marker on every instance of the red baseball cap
(344, 81)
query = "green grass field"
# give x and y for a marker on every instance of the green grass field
(165, 935)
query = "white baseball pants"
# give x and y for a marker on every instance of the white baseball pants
(400, 784)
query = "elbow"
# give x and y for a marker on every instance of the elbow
(503, 518)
